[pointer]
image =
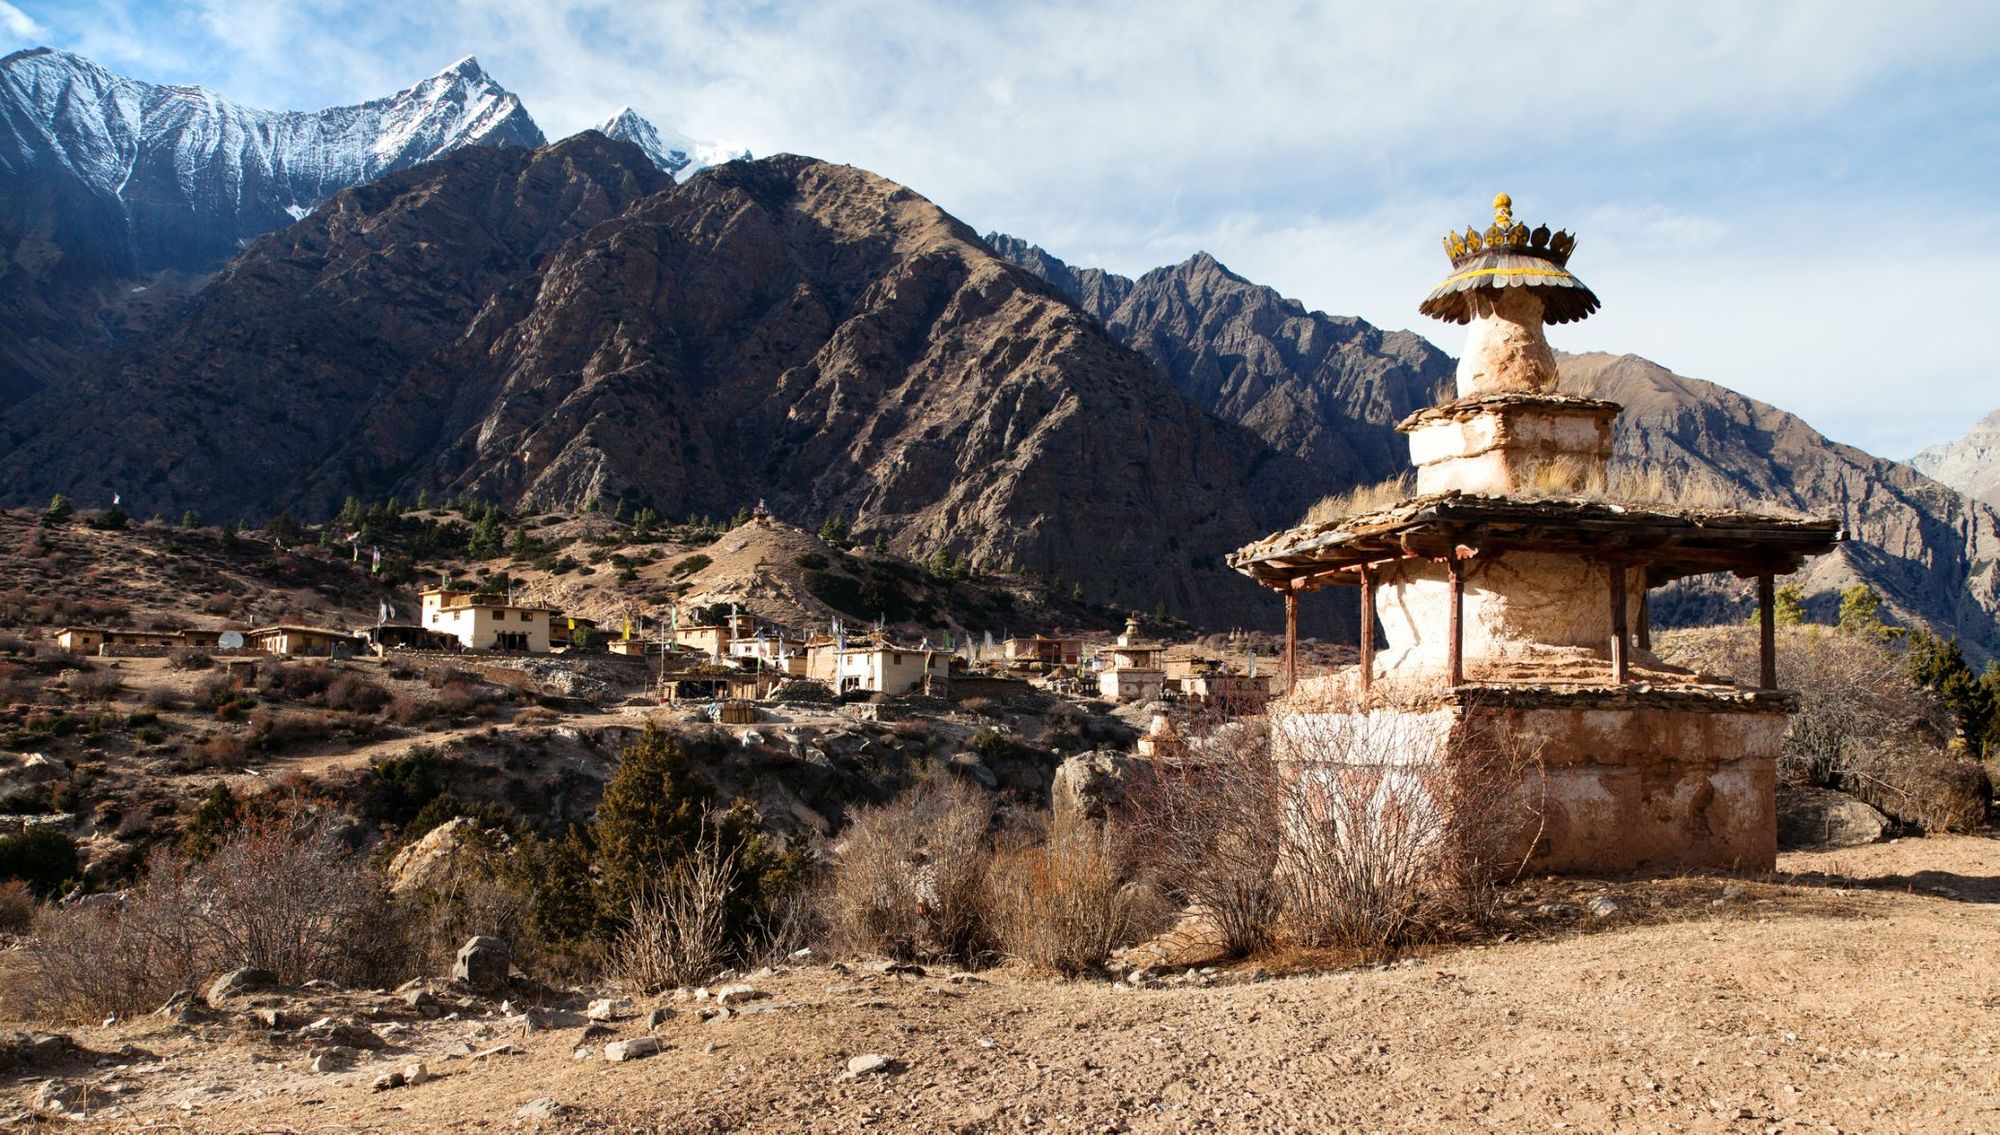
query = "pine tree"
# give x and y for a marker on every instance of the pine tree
(1861, 615)
(485, 541)
(59, 511)
(189, 520)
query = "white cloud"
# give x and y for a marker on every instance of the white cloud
(1707, 152)
(16, 26)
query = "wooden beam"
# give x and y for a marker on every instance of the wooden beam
(1621, 667)
(1643, 631)
(1291, 640)
(1367, 626)
(1455, 626)
(1767, 634)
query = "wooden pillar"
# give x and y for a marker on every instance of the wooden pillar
(1767, 634)
(1455, 626)
(1643, 631)
(1367, 627)
(1621, 668)
(1291, 637)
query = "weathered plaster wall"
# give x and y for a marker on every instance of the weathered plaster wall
(1513, 602)
(1505, 349)
(1504, 449)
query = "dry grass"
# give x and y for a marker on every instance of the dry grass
(1362, 499)
(1064, 902)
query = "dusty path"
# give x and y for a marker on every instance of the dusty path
(1768, 1006)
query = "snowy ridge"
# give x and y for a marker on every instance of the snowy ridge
(118, 135)
(671, 150)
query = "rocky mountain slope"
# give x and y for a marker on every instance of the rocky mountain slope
(106, 182)
(1971, 464)
(671, 150)
(1330, 389)
(549, 327)
(1325, 388)
(1931, 551)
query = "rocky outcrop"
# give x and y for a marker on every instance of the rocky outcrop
(1971, 464)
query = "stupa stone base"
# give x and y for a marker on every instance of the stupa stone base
(1604, 779)
(1500, 443)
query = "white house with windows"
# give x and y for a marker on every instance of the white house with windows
(887, 669)
(486, 621)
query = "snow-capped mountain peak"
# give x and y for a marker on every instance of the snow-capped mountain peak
(195, 174)
(671, 150)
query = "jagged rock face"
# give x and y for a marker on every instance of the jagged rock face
(1931, 552)
(106, 180)
(1971, 464)
(551, 327)
(1328, 389)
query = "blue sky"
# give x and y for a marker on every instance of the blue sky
(1797, 200)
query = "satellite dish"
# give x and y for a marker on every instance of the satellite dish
(230, 640)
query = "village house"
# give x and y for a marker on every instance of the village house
(713, 639)
(486, 621)
(1049, 650)
(307, 642)
(771, 648)
(885, 668)
(563, 631)
(86, 640)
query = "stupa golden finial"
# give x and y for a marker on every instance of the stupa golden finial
(1503, 211)
(1509, 255)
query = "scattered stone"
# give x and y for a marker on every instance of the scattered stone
(1603, 906)
(57, 1098)
(904, 969)
(422, 1001)
(658, 1017)
(609, 1009)
(414, 1074)
(497, 1050)
(543, 1108)
(483, 963)
(868, 1064)
(327, 1062)
(388, 1080)
(239, 982)
(432, 860)
(638, 1048)
(556, 1019)
(730, 995)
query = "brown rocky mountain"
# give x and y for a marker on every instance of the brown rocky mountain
(1326, 388)
(1931, 551)
(1330, 389)
(550, 327)
(1971, 464)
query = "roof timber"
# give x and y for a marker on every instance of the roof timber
(1666, 544)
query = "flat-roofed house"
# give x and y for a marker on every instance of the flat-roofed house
(886, 669)
(1050, 650)
(486, 620)
(306, 642)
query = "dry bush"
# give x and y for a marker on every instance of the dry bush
(283, 895)
(223, 750)
(96, 685)
(1395, 832)
(1065, 902)
(411, 709)
(677, 932)
(19, 689)
(17, 907)
(910, 877)
(1211, 823)
(189, 658)
(476, 897)
(1921, 786)
(1855, 695)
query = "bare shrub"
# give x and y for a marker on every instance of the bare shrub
(910, 877)
(223, 750)
(282, 895)
(1211, 821)
(355, 695)
(1855, 695)
(1063, 902)
(17, 907)
(189, 658)
(677, 932)
(1921, 786)
(1394, 831)
(96, 685)
(477, 896)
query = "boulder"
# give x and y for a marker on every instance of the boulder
(1092, 784)
(239, 983)
(610, 1009)
(868, 1064)
(483, 963)
(1821, 817)
(430, 862)
(638, 1048)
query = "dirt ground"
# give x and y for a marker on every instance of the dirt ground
(1853, 991)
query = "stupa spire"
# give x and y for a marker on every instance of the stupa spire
(1507, 282)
